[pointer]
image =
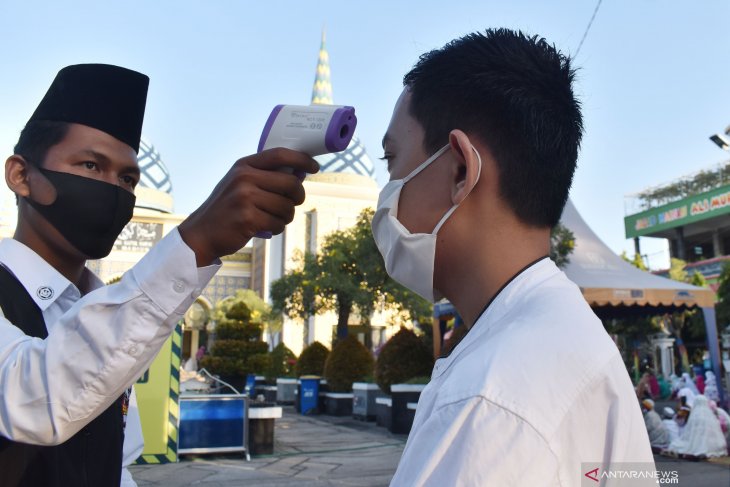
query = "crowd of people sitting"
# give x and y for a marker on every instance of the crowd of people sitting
(697, 429)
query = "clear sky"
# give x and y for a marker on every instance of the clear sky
(654, 77)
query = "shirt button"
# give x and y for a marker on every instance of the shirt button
(132, 350)
(178, 286)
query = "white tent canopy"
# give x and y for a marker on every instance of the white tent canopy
(607, 280)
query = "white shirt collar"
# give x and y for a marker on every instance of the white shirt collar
(42, 282)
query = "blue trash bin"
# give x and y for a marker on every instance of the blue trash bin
(250, 385)
(308, 395)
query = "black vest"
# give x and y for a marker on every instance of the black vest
(92, 457)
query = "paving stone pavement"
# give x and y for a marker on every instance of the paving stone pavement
(319, 451)
(309, 451)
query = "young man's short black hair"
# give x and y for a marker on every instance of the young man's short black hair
(37, 137)
(513, 92)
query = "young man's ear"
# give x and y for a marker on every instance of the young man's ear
(467, 166)
(16, 175)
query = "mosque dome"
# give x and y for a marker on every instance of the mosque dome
(154, 191)
(353, 160)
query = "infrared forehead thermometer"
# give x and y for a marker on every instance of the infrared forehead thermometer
(312, 129)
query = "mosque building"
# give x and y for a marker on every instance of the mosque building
(336, 195)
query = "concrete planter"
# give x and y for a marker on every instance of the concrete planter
(261, 429)
(363, 401)
(339, 403)
(323, 390)
(403, 394)
(410, 413)
(383, 407)
(269, 393)
(286, 390)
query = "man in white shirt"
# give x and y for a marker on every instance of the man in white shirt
(70, 348)
(36, 273)
(481, 151)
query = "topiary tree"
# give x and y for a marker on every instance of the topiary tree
(348, 362)
(402, 358)
(282, 361)
(312, 360)
(237, 350)
(260, 312)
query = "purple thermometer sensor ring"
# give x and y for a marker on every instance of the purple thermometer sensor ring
(340, 130)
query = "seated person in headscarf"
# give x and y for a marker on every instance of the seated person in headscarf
(670, 424)
(711, 391)
(674, 383)
(653, 384)
(665, 388)
(700, 383)
(702, 435)
(658, 434)
(686, 382)
(686, 398)
(724, 419)
(643, 388)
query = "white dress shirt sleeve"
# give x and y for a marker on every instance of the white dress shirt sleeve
(475, 442)
(50, 389)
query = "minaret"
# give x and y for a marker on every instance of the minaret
(322, 89)
(354, 159)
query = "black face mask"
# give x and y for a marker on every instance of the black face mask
(89, 213)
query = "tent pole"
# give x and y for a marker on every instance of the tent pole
(714, 345)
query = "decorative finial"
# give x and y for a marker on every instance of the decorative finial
(322, 89)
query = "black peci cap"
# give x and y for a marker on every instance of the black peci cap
(105, 97)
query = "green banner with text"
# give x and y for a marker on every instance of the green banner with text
(679, 213)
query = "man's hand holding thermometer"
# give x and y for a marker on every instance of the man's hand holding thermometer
(259, 193)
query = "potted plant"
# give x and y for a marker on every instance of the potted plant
(282, 362)
(403, 358)
(238, 349)
(349, 362)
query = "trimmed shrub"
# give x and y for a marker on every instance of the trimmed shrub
(258, 364)
(238, 330)
(349, 362)
(402, 358)
(237, 350)
(282, 363)
(312, 360)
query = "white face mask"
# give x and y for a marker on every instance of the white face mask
(409, 257)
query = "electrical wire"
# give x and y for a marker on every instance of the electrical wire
(590, 23)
